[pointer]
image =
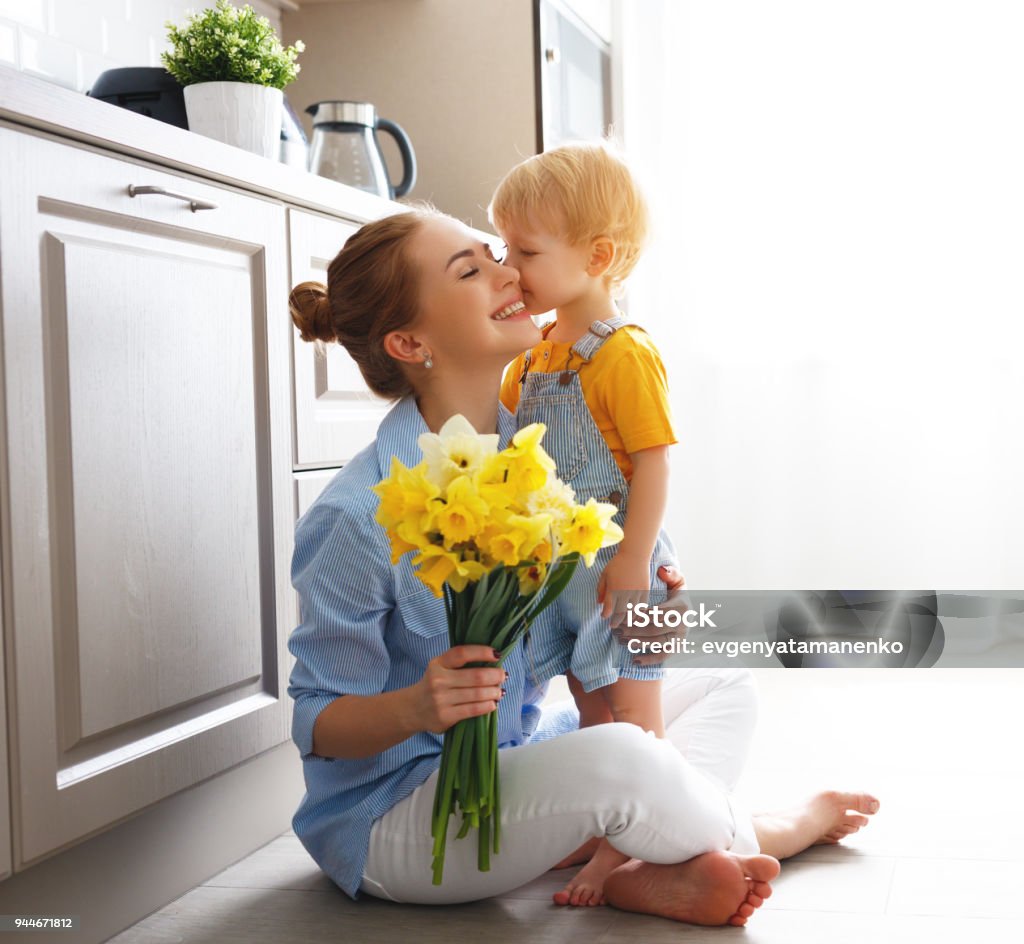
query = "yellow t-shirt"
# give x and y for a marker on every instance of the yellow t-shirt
(624, 385)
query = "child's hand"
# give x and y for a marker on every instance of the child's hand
(625, 580)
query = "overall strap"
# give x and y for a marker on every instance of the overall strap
(599, 332)
(526, 367)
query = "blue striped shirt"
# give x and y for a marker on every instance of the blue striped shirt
(370, 627)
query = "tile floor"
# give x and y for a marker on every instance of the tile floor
(942, 861)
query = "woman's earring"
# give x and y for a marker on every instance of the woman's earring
(427, 362)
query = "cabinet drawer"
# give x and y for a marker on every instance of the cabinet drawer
(336, 414)
(308, 486)
(146, 391)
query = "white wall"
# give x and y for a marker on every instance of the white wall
(70, 42)
(837, 285)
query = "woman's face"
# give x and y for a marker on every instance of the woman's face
(471, 307)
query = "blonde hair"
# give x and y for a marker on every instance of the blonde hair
(580, 192)
(372, 289)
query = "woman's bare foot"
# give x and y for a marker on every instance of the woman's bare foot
(714, 888)
(584, 854)
(827, 817)
(586, 887)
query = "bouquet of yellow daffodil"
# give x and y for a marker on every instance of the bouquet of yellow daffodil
(498, 534)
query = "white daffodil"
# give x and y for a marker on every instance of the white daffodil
(554, 498)
(457, 450)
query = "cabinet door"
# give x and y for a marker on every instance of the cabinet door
(336, 415)
(149, 492)
(5, 799)
(575, 75)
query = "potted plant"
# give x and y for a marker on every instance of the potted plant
(233, 68)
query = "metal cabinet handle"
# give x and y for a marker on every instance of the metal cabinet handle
(193, 203)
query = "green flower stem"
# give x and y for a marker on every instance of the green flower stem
(490, 612)
(483, 846)
(496, 781)
(465, 758)
(483, 761)
(446, 786)
(438, 793)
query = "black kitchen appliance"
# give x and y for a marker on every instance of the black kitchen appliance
(148, 91)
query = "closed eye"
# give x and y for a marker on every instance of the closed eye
(488, 254)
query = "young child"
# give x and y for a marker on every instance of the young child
(575, 222)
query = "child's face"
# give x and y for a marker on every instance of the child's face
(552, 271)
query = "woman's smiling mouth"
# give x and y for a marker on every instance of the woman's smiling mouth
(509, 310)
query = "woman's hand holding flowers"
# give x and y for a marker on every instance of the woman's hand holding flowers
(449, 693)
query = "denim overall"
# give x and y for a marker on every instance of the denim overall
(576, 637)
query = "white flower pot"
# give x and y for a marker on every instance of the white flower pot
(237, 113)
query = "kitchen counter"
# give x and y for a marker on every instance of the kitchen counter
(41, 105)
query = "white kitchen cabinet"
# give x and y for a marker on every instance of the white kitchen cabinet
(309, 485)
(5, 798)
(336, 414)
(148, 484)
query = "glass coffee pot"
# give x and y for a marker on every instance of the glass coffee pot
(345, 148)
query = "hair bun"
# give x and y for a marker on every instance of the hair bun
(311, 312)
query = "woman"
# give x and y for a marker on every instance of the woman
(431, 319)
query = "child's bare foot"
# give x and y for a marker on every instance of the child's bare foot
(584, 854)
(714, 888)
(825, 818)
(586, 887)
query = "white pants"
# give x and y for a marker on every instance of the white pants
(659, 801)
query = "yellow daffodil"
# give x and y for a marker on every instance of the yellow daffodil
(435, 566)
(392, 499)
(529, 466)
(462, 514)
(590, 529)
(541, 552)
(511, 539)
(527, 442)
(400, 546)
(405, 494)
(492, 482)
(525, 475)
(530, 578)
(466, 572)
(416, 532)
(502, 546)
